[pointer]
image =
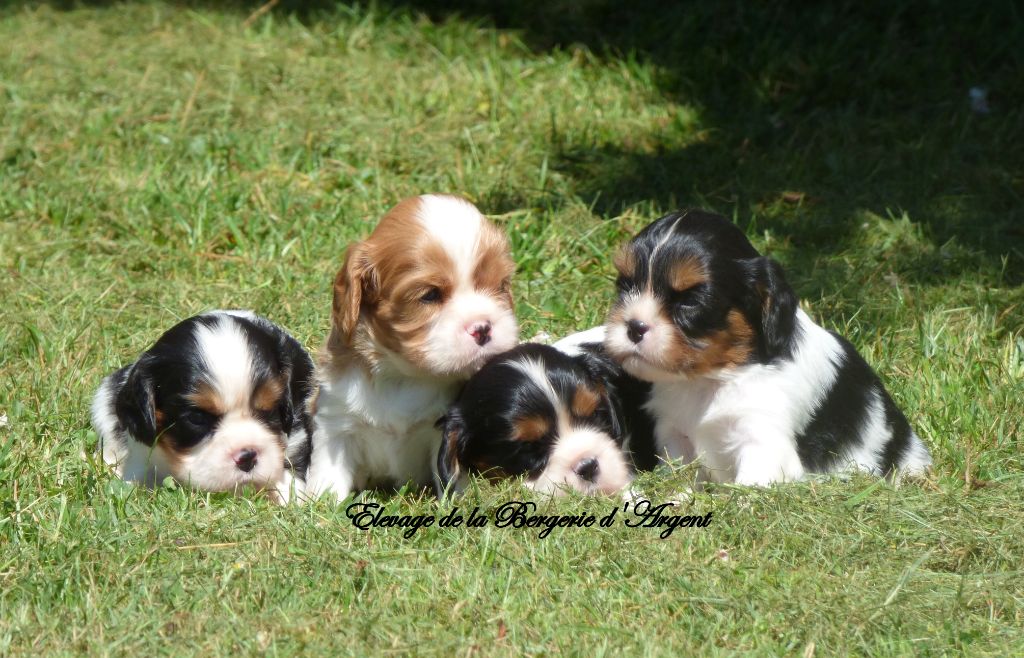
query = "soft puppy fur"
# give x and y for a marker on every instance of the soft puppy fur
(562, 417)
(221, 402)
(418, 307)
(742, 377)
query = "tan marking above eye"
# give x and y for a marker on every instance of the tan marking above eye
(493, 269)
(207, 398)
(625, 261)
(530, 428)
(585, 401)
(686, 274)
(267, 395)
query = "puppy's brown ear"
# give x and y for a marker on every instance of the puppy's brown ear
(351, 287)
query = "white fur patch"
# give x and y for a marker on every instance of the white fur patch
(104, 421)
(573, 447)
(211, 465)
(451, 349)
(457, 223)
(571, 344)
(225, 352)
(537, 374)
(375, 429)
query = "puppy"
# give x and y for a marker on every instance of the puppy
(563, 416)
(221, 402)
(743, 378)
(418, 307)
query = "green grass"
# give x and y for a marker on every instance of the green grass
(157, 159)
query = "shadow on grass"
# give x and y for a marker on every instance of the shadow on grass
(811, 113)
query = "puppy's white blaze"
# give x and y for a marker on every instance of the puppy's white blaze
(211, 465)
(571, 344)
(457, 223)
(573, 447)
(225, 351)
(654, 252)
(538, 375)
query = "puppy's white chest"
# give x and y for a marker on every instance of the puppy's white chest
(375, 431)
(680, 410)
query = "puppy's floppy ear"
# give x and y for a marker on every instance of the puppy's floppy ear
(448, 469)
(773, 303)
(298, 371)
(352, 284)
(135, 403)
(602, 371)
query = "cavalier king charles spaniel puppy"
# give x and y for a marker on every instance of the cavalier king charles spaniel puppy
(562, 417)
(418, 307)
(742, 378)
(221, 402)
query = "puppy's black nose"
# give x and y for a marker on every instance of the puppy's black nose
(635, 330)
(481, 333)
(587, 469)
(245, 460)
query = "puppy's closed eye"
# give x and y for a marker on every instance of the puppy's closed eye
(198, 418)
(691, 296)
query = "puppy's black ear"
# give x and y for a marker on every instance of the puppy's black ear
(603, 372)
(448, 469)
(772, 304)
(299, 372)
(135, 404)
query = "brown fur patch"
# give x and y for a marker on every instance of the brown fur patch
(686, 274)
(721, 349)
(171, 455)
(530, 428)
(625, 261)
(267, 395)
(208, 399)
(494, 267)
(585, 401)
(313, 403)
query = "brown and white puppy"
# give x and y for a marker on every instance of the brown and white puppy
(418, 307)
(221, 402)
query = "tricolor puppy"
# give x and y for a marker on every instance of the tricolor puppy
(221, 402)
(562, 417)
(743, 378)
(418, 307)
